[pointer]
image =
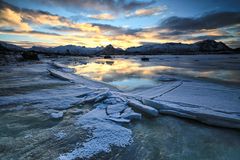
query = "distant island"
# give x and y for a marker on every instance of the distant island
(201, 47)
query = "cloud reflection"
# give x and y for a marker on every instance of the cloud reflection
(125, 69)
(101, 70)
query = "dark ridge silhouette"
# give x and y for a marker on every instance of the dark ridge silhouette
(201, 47)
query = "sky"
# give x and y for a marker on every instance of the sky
(122, 23)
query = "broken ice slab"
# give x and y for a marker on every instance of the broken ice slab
(120, 120)
(199, 113)
(143, 108)
(116, 108)
(61, 75)
(131, 115)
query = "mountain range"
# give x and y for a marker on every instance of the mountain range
(206, 46)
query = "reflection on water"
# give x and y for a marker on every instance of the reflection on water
(103, 70)
(129, 74)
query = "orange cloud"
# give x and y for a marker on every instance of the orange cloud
(12, 19)
(85, 27)
(45, 19)
(103, 16)
(148, 11)
(21, 22)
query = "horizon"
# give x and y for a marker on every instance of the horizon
(112, 45)
(122, 24)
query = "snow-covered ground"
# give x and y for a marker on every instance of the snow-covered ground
(45, 106)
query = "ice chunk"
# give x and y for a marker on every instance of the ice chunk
(115, 115)
(144, 108)
(95, 96)
(130, 114)
(60, 75)
(200, 113)
(57, 115)
(120, 120)
(116, 108)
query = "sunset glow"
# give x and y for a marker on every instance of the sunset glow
(120, 23)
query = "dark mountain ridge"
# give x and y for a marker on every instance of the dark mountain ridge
(201, 47)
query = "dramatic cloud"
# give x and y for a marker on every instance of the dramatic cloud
(217, 26)
(107, 9)
(21, 19)
(43, 18)
(99, 5)
(113, 30)
(28, 44)
(11, 31)
(47, 28)
(12, 19)
(207, 21)
(148, 11)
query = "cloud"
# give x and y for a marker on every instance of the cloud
(233, 42)
(148, 11)
(12, 19)
(222, 26)
(207, 21)
(23, 19)
(104, 29)
(99, 5)
(102, 16)
(43, 18)
(104, 9)
(200, 38)
(41, 26)
(113, 30)
(29, 44)
(32, 32)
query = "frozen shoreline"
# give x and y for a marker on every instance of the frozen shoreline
(218, 105)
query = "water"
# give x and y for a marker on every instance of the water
(133, 83)
(31, 134)
(170, 138)
(129, 74)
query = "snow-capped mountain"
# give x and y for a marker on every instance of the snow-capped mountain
(202, 46)
(207, 46)
(109, 49)
(211, 45)
(68, 49)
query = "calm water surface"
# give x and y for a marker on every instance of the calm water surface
(129, 74)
